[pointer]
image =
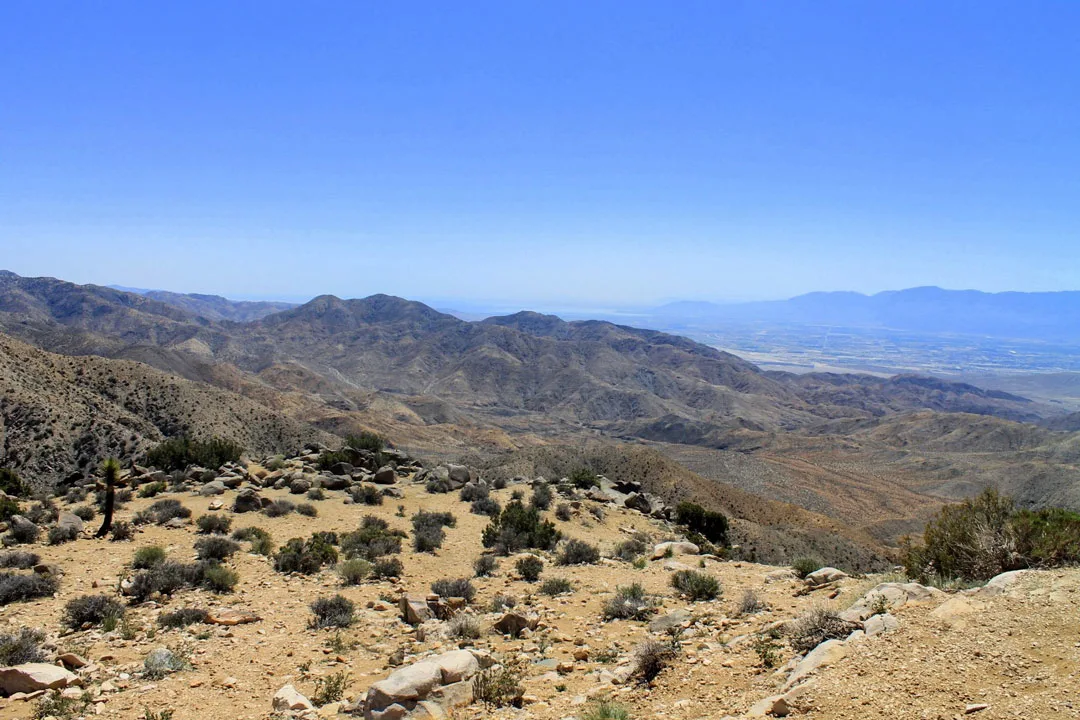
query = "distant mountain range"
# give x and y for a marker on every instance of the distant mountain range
(1051, 316)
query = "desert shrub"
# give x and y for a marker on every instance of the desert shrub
(499, 483)
(166, 578)
(386, 567)
(22, 646)
(629, 603)
(488, 506)
(556, 586)
(24, 533)
(499, 685)
(182, 618)
(336, 611)
(464, 627)
(750, 603)
(373, 540)
(162, 511)
(305, 557)
(8, 507)
(85, 513)
(148, 557)
(986, 535)
(460, 587)
(55, 705)
(307, 510)
(563, 512)
(628, 550)
(316, 494)
(695, 585)
(60, 534)
(19, 559)
(366, 495)
(214, 524)
(605, 710)
(215, 548)
(153, 489)
(584, 478)
(219, 579)
(805, 565)
(428, 534)
(577, 552)
(518, 528)
(278, 508)
(261, 541)
(650, 658)
(542, 496)
(353, 572)
(123, 496)
(529, 568)
(713, 525)
(180, 452)
(250, 533)
(438, 486)
(15, 587)
(43, 512)
(76, 494)
(767, 647)
(163, 661)
(815, 627)
(502, 601)
(473, 491)
(91, 610)
(485, 565)
(275, 462)
(12, 484)
(121, 531)
(330, 689)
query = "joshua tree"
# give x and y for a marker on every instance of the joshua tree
(111, 470)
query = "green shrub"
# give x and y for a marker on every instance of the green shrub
(584, 478)
(386, 567)
(12, 484)
(805, 565)
(542, 496)
(152, 489)
(695, 585)
(92, 610)
(578, 552)
(629, 603)
(473, 491)
(24, 533)
(499, 685)
(529, 568)
(22, 646)
(336, 611)
(556, 586)
(518, 528)
(8, 507)
(15, 587)
(461, 587)
(162, 511)
(353, 571)
(305, 557)
(628, 550)
(60, 534)
(428, 532)
(485, 565)
(488, 506)
(307, 510)
(364, 494)
(605, 710)
(180, 452)
(373, 540)
(214, 524)
(330, 689)
(215, 548)
(713, 525)
(219, 579)
(261, 541)
(148, 557)
(165, 577)
(183, 617)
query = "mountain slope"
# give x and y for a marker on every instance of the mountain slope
(61, 414)
(215, 307)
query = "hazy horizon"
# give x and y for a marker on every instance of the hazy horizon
(603, 155)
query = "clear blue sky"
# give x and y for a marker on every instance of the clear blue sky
(549, 153)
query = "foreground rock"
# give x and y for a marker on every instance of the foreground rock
(287, 699)
(31, 677)
(430, 686)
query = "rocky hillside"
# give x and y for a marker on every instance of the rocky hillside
(389, 604)
(60, 414)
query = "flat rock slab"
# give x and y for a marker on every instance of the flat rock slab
(31, 677)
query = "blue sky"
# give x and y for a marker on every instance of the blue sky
(541, 153)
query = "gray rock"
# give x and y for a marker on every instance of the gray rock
(214, 487)
(69, 521)
(342, 468)
(385, 475)
(880, 623)
(336, 482)
(459, 475)
(247, 500)
(287, 699)
(671, 620)
(824, 576)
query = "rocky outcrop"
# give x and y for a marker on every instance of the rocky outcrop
(31, 677)
(441, 680)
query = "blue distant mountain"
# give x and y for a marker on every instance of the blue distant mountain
(1052, 316)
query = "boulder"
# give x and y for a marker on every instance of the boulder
(824, 576)
(824, 655)
(300, 485)
(676, 548)
(336, 482)
(456, 666)
(671, 620)
(287, 699)
(385, 476)
(214, 487)
(247, 500)
(405, 687)
(31, 677)
(231, 481)
(999, 583)
(70, 521)
(639, 502)
(894, 595)
(459, 475)
(415, 610)
(880, 623)
(342, 468)
(513, 623)
(19, 524)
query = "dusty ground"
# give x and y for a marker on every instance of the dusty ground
(1019, 652)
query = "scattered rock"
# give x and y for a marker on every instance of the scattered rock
(287, 699)
(31, 677)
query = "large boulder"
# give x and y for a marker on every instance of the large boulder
(639, 502)
(336, 482)
(824, 576)
(214, 487)
(31, 677)
(300, 485)
(247, 500)
(70, 521)
(674, 548)
(456, 666)
(405, 687)
(20, 525)
(386, 475)
(459, 475)
(342, 468)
